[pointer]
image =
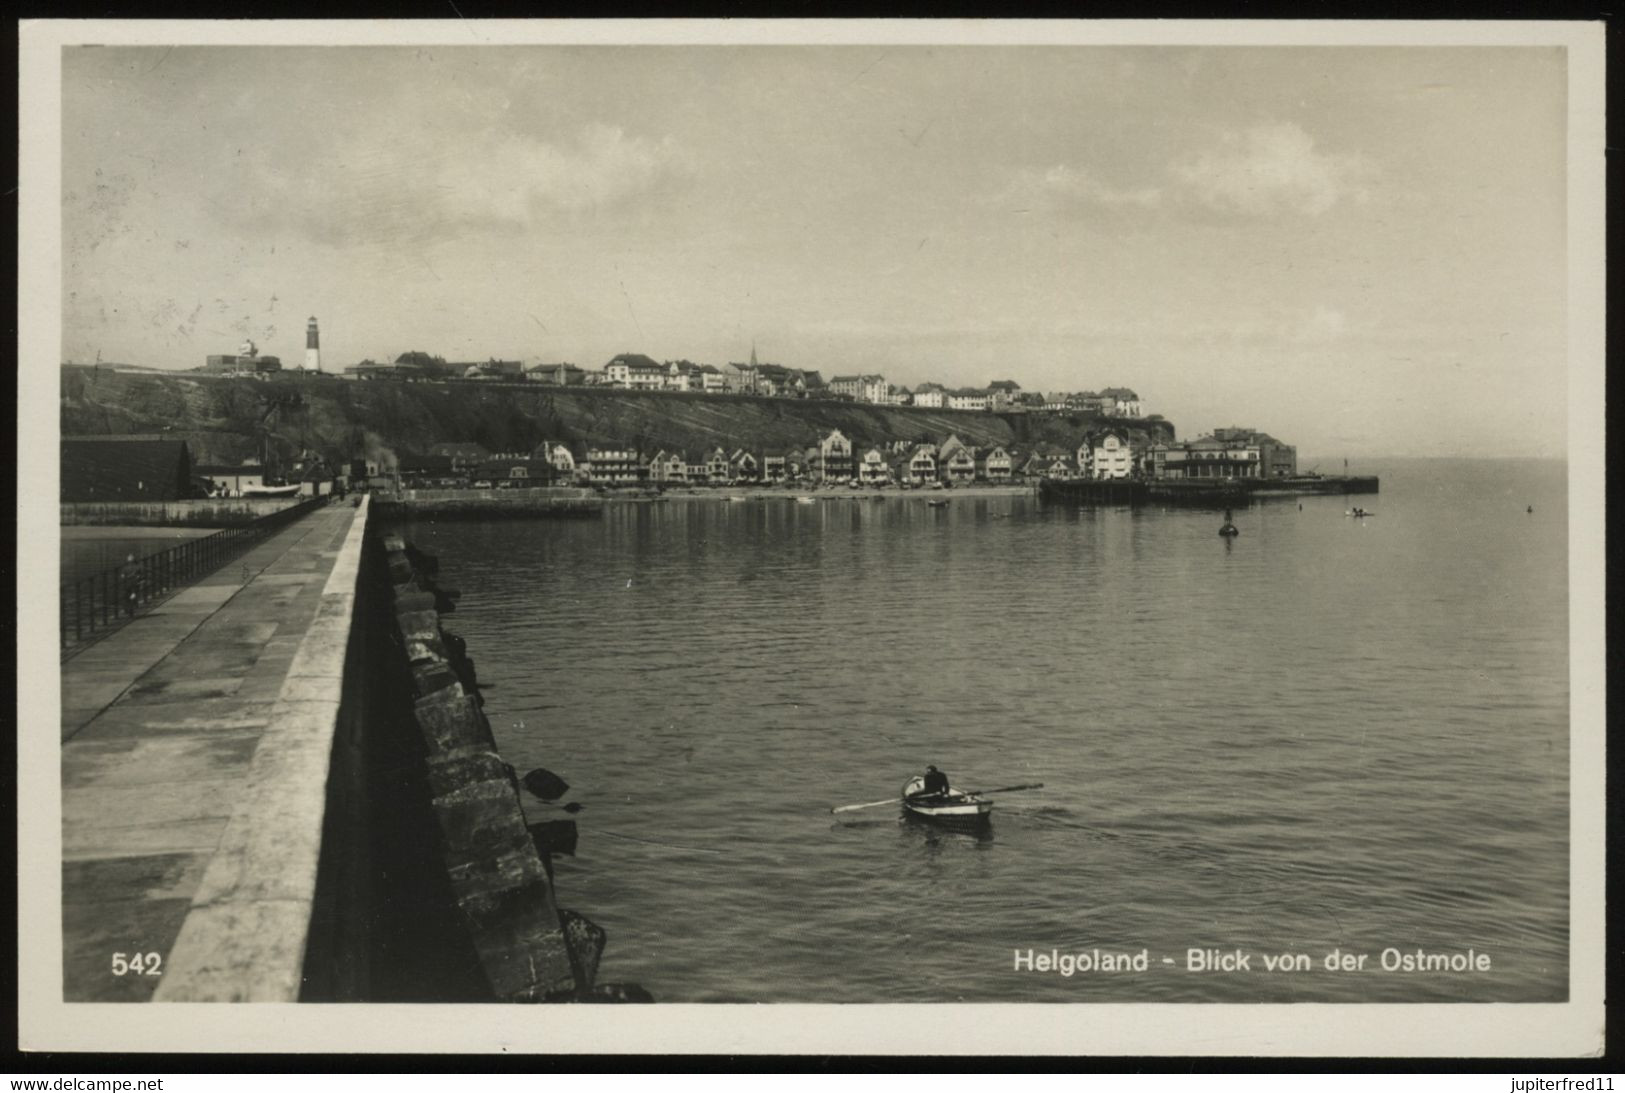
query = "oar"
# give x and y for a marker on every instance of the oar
(871, 804)
(1004, 789)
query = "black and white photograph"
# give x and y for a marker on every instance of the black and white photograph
(858, 537)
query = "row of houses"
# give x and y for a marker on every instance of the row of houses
(832, 458)
(152, 467)
(637, 372)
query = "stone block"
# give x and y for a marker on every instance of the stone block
(481, 819)
(422, 624)
(400, 568)
(413, 599)
(455, 768)
(453, 721)
(514, 866)
(431, 676)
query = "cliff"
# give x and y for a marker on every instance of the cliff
(225, 419)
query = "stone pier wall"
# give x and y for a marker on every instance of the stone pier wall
(218, 512)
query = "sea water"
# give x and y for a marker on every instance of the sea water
(1325, 761)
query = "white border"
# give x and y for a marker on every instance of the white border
(1463, 1030)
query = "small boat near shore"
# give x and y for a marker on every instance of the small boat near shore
(1359, 513)
(805, 501)
(952, 807)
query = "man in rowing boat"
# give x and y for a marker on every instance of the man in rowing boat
(936, 784)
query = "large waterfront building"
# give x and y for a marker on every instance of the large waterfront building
(1232, 452)
(611, 464)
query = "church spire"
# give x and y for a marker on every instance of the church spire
(753, 352)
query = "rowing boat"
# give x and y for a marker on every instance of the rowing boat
(951, 807)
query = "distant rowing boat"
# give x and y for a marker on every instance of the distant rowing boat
(951, 807)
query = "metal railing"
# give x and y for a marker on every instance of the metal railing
(106, 599)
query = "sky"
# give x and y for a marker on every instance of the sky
(1358, 250)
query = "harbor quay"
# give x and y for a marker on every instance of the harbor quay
(278, 779)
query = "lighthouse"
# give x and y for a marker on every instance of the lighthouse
(313, 347)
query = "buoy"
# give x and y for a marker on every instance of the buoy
(1228, 529)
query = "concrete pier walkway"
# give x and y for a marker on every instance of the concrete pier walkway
(179, 731)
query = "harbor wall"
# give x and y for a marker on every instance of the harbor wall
(489, 504)
(378, 850)
(216, 512)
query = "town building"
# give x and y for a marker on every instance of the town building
(873, 468)
(833, 457)
(1275, 458)
(465, 455)
(717, 467)
(491, 369)
(635, 372)
(668, 466)
(863, 388)
(427, 365)
(511, 474)
(743, 466)
(125, 467)
(558, 454)
(426, 471)
(246, 361)
(919, 466)
(932, 395)
(559, 375)
(994, 465)
(1120, 402)
(1233, 452)
(611, 464)
(1002, 395)
(1111, 457)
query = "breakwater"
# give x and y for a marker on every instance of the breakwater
(277, 786)
(498, 867)
(1199, 491)
(218, 512)
(450, 504)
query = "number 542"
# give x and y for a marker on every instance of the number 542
(137, 963)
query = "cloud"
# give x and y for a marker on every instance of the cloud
(383, 192)
(1270, 169)
(1065, 188)
(520, 179)
(1265, 170)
